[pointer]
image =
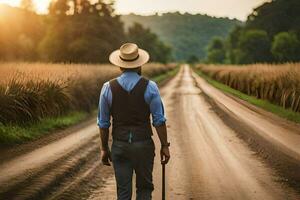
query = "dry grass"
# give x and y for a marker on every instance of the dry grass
(279, 84)
(30, 92)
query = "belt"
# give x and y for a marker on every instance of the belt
(132, 140)
(142, 142)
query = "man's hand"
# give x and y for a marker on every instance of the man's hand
(164, 155)
(164, 151)
(106, 157)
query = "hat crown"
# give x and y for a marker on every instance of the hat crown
(129, 56)
(129, 51)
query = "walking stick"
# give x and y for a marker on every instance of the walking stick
(163, 181)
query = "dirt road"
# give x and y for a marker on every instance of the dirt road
(208, 160)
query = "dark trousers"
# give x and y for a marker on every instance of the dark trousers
(132, 157)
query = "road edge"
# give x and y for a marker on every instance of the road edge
(284, 165)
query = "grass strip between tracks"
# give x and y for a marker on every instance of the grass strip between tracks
(266, 105)
(16, 134)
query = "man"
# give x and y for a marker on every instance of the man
(130, 99)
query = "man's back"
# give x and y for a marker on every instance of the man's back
(130, 112)
(127, 81)
(130, 99)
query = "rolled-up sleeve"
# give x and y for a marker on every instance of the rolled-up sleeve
(103, 119)
(153, 98)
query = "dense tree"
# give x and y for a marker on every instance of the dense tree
(216, 51)
(254, 46)
(232, 43)
(74, 31)
(187, 34)
(276, 16)
(82, 32)
(149, 41)
(252, 42)
(21, 31)
(286, 47)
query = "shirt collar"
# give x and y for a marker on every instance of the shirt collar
(129, 74)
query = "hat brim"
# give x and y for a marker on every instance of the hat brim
(115, 59)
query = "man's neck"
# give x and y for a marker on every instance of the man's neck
(130, 73)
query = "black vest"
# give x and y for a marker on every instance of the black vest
(130, 112)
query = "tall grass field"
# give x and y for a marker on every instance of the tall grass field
(278, 84)
(30, 92)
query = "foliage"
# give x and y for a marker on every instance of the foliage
(286, 47)
(70, 37)
(232, 48)
(254, 46)
(74, 31)
(276, 16)
(31, 92)
(277, 84)
(252, 42)
(21, 32)
(145, 38)
(216, 51)
(187, 34)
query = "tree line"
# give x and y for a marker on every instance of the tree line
(270, 34)
(73, 31)
(188, 34)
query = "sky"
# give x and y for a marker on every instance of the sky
(239, 9)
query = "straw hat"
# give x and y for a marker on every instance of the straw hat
(129, 56)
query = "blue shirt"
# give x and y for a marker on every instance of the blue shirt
(128, 80)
